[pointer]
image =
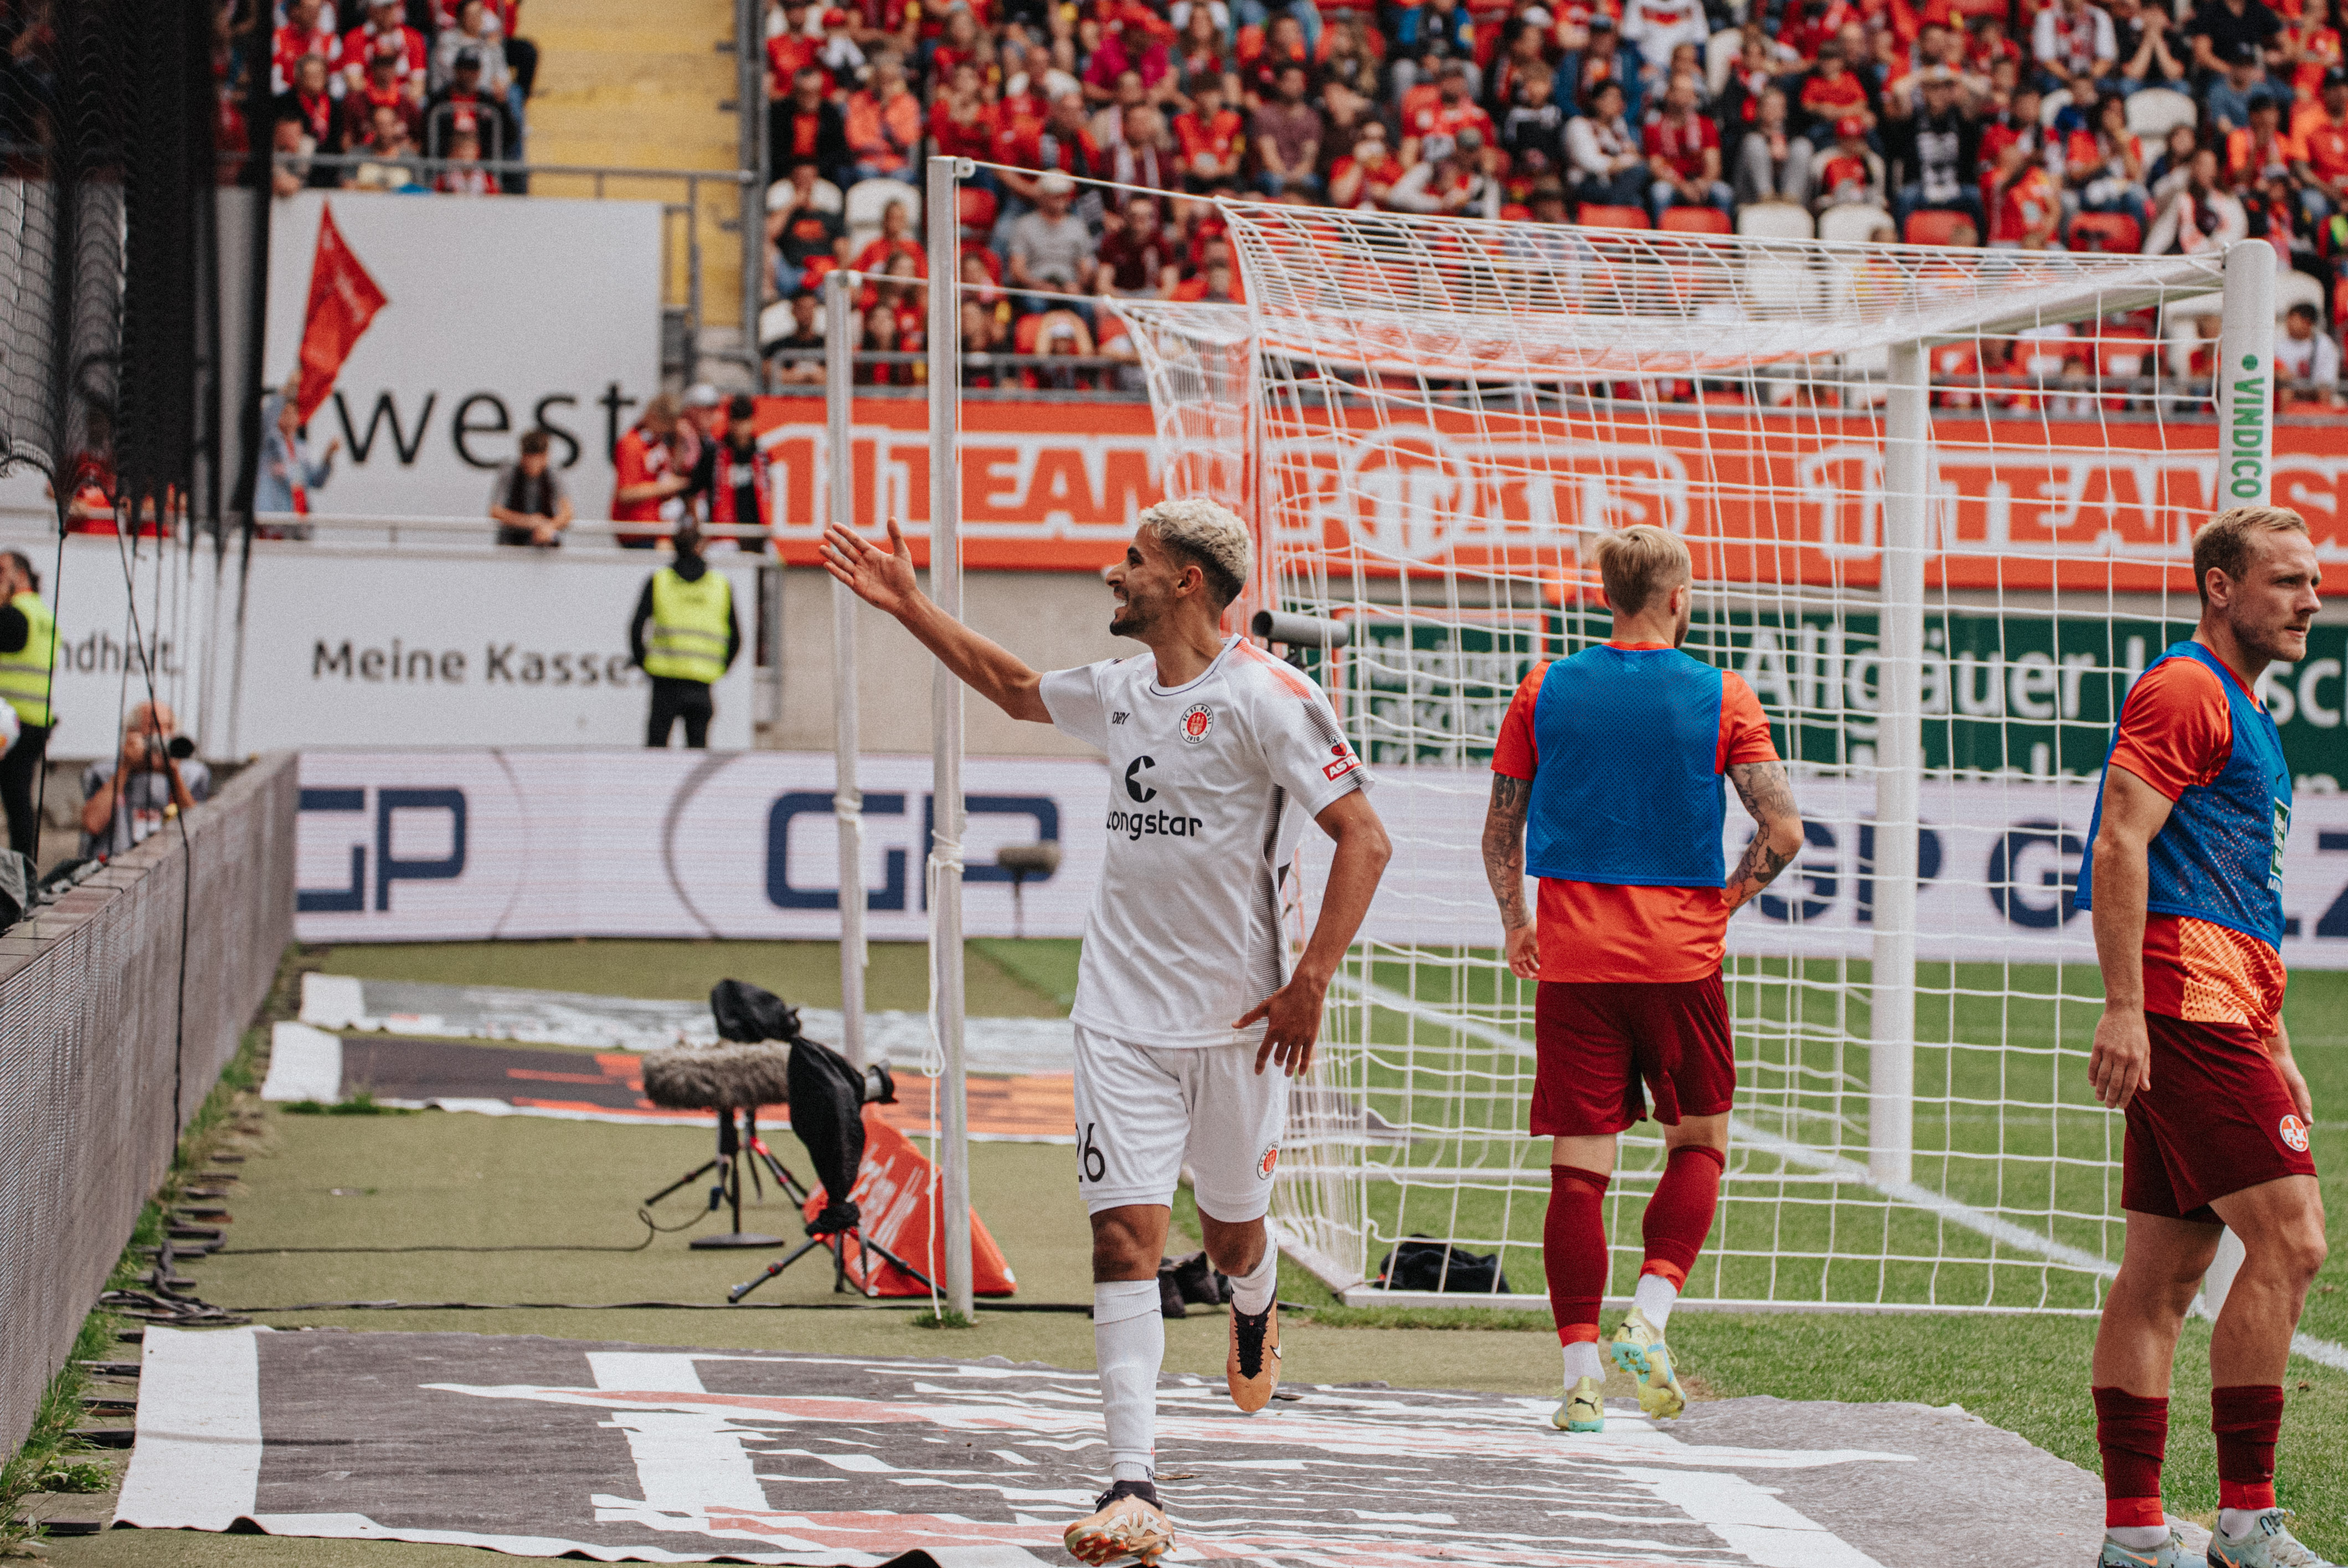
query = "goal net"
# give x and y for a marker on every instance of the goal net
(1939, 502)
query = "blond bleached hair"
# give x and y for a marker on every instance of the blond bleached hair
(1205, 534)
(1640, 562)
(2227, 542)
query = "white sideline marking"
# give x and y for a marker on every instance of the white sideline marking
(1751, 1520)
(305, 1063)
(197, 1461)
(2323, 1352)
(686, 1461)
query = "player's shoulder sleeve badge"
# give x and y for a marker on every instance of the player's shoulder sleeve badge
(1343, 760)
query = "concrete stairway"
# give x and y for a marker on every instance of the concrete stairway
(637, 84)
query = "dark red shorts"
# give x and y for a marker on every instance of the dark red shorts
(1596, 1043)
(2216, 1120)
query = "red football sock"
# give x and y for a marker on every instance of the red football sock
(2247, 1418)
(1679, 1216)
(1574, 1251)
(2133, 1432)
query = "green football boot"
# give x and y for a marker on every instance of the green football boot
(1584, 1409)
(1639, 1349)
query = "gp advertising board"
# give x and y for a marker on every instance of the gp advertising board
(1762, 496)
(505, 315)
(467, 844)
(419, 649)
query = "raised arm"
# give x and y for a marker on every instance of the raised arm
(2133, 814)
(884, 579)
(1504, 869)
(1777, 828)
(1292, 1013)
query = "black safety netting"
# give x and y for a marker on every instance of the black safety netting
(107, 166)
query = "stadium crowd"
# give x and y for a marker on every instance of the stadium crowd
(419, 91)
(2110, 124)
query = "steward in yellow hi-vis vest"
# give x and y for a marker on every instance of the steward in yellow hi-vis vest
(684, 636)
(28, 637)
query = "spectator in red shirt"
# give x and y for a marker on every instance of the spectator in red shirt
(1849, 173)
(305, 32)
(1213, 139)
(1136, 254)
(883, 123)
(1684, 154)
(896, 240)
(2023, 205)
(808, 125)
(383, 90)
(1364, 175)
(643, 481)
(1135, 44)
(792, 49)
(2322, 132)
(362, 43)
(1831, 93)
(311, 104)
(465, 176)
(963, 123)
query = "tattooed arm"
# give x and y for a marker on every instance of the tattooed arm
(1504, 867)
(1777, 828)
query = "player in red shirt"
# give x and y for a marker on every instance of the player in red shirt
(2184, 877)
(1607, 786)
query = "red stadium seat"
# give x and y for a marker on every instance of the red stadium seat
(1695, 220)
(1934, 228)
(1595, 216)
(2115, 232)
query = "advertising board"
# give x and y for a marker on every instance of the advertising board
(469, 845)
(504, 316)
(1762, 496)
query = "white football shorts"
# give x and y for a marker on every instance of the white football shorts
(1144, 1111)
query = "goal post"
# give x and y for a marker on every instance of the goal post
(847, 798)
(1936, 499)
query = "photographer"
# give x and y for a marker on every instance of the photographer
(125, 800)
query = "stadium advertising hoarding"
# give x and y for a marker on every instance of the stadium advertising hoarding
(2016, 693)
(504, 316)
(427, 648)
(469, 845)
(465, 845)
(1766, 497)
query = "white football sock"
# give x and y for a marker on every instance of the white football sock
(1253, 1291)
(2140, 1537)
(2234, 1524)
(1653, 1299)
(1129, 1343)
(1582, 1360)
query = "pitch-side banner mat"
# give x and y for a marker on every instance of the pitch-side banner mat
(470, 845)
(1762, 496)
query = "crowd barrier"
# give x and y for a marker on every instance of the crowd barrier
(102, 1026)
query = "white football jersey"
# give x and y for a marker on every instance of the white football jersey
(1211, 786)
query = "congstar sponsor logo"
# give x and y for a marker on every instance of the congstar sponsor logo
(1136, 824)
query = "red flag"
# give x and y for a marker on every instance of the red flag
(343, 300)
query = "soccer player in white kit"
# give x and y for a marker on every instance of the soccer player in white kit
(1217, 754)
